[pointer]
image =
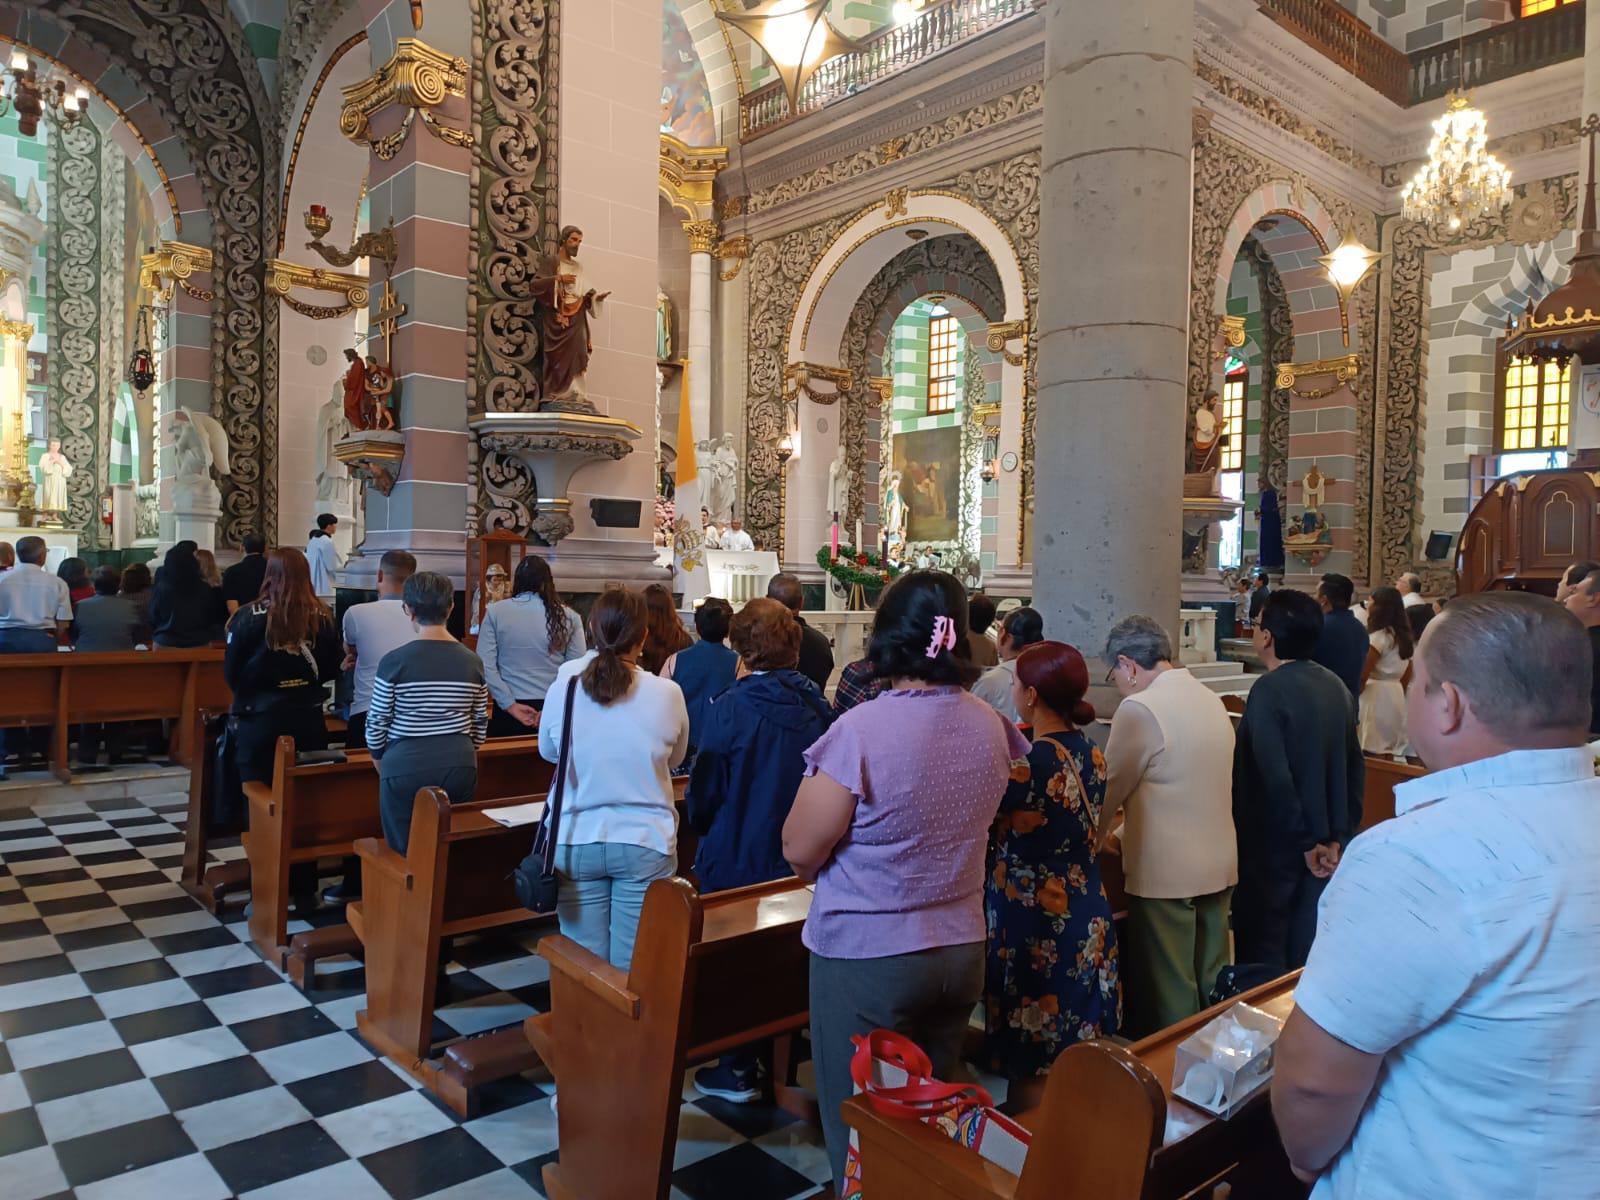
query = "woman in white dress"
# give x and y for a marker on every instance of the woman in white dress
(1385, 675)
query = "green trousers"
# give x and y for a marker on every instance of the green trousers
(1171, 952)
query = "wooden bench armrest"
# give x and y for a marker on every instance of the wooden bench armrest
(375, 856)
(956, 1170)
(260, 795)
(598, 977)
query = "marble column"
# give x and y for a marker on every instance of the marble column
(702, 241)
(1113, 315)
(425, 190)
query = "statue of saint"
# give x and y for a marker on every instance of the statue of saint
(333, 477)
(1207, 435)
(54, 471)
(380, 390)
(355, 390)
(894, 509)
(566, 303)
(724, 490)
(839, 485)
(663, 326)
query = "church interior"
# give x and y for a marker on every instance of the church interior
(1099, 309)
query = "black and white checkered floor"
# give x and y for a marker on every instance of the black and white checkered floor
(147, 1052)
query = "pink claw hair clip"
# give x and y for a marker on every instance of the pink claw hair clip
(944, 636)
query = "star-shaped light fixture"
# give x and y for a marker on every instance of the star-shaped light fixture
(795, 35)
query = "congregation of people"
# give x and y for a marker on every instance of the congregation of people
(954, 799)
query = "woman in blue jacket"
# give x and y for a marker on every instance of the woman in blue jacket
(750, 763)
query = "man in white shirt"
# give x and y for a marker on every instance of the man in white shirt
(1020, 628)
(373, 629)
(1409, 585)
(734, 537)
(1444, 1039)
(35, 610)
(709, 531)
(323, 556)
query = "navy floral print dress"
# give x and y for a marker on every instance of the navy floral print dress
(1052, 976)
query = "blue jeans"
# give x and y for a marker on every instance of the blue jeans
(602, 892)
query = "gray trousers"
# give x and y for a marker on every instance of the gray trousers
(927, 996)
(411, 764)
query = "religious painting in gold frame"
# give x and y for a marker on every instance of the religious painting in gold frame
(928, 462)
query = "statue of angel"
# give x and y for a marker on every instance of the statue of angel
(201, 446)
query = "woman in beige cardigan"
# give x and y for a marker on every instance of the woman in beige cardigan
(1169, 764)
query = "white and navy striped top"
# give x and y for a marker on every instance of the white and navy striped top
(428, 689)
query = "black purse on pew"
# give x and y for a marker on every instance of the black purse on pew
(535, 880)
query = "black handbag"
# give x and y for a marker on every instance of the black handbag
(227, 812)
(535, 880)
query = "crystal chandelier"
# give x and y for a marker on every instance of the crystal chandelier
(1461, 180)
(23, 92)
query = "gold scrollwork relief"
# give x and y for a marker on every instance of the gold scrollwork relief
(19, 331)
(1342, 371)
(735, 250)
(1231, 335)
(173, 263)
(282, 276)
(688, 176)
(799, 377)
(894, 202)
(1001, 332)
(419, 78)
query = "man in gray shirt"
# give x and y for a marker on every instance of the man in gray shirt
(106, 621)
(35, 610)
(371, 630)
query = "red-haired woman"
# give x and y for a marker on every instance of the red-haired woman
(1052, 977)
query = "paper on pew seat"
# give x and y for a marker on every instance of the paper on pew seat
(513, 815)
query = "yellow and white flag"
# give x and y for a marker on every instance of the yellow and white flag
(688, 539)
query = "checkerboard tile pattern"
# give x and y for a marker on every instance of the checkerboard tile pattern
(147, 1051)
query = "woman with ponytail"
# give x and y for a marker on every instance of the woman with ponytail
(1052, 976)
(523, 641)
(618, 831)
(891, 822)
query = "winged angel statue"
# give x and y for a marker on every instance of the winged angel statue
(201, 446)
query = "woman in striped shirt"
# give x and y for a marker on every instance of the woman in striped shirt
(430, 711)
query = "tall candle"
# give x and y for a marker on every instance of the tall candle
(833, 538)
(859, 546)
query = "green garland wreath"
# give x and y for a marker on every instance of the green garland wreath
(864, 567)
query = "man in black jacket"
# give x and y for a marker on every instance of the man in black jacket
(1343, 643)
(1298, 778)
(816, 655)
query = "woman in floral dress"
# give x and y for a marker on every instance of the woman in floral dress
(1052, 976)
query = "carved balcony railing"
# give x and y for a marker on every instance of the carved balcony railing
(1347, 41)
(1499, 53)
(935, 29)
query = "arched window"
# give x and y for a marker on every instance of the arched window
(1230, 459)
(944, 362)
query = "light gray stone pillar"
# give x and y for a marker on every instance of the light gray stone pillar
(1113, 315)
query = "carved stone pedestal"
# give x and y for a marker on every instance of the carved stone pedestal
(374, 454)
(555, 446)
(1203, 517)
(196, 509)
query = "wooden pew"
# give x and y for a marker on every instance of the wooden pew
(709, 974)
(1383, 774)
(453, 879)
(320, 811)
(66, 689)
(1099, 1135)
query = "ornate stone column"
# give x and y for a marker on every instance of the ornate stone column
(1113, 334)
(702, 242)
(412, 117)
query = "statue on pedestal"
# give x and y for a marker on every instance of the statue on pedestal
(355, 390)
(566, 303)
(1208, 436)
(333, 477)
(54, 471)
(379, 386)
(200, 448)
(722, 493)
(663, 326)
